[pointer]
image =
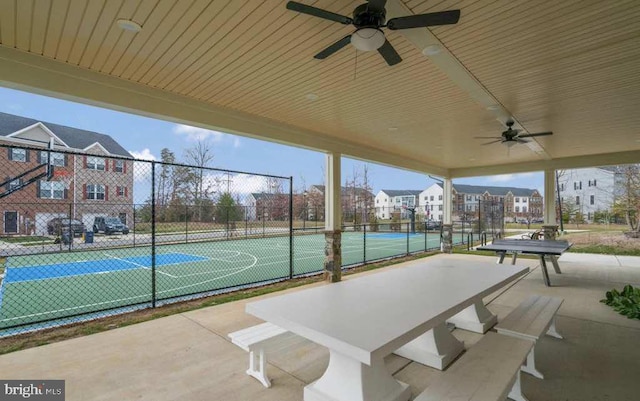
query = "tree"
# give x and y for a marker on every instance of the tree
(227, 210)
(627, 201)
(199, 155)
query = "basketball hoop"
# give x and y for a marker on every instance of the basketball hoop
(63, 176)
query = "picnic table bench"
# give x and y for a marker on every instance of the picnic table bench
(258, 341)
(489, 371)
(534, 317)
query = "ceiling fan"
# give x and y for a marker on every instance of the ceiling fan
(369, 18)
(511, 136)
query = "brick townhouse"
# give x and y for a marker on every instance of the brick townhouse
(101, 171)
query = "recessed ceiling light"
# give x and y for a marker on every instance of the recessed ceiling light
(128, 25)
(393, 128)
(438, 147)
(493, 107)
(312, 96)
(472, 159)
(432, 50)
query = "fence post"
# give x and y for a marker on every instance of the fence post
(70, 228)
(408, 229)
(263, 221)
(134, 226)
(291, 227)
(186, 224)
(364, 241)
(425, 236)
(153, 234)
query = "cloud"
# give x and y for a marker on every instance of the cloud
(236, 142)
(502, 177)
(142, 170)
(194, 134)
(239, 185)
(509, 177)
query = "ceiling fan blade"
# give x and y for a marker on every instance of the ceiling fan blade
(536, 134)
(487, 137)
(333, 48)
(317, 12)
(389, 54)
(377, 5)
(489, 143)
(424, 20)
(519, 140)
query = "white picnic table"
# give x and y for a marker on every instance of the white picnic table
(362, 320)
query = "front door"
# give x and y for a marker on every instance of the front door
(10, 222)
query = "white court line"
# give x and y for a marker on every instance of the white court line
(134, 263)
(240, 270)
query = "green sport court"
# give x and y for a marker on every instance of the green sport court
(42, 288)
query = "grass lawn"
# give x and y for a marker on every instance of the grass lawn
(24, 239)
(604, 242)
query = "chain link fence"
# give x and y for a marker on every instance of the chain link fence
(86, 235)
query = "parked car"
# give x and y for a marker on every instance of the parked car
(58, 225)
(433, 224)
(537, 221)
(109, 225)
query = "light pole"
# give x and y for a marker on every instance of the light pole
(304, 212)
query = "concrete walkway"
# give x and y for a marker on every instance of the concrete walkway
(189, 357)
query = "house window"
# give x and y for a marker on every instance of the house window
(19, 155)
(377, 200)
(426, 198)
(577, 200)
(57, 159)
(592, 200)
(95, 191)
(14, 184)
(121, 191)
(594, 183)
(431, 198)
(95, 163)
(524, 200)
(439, 197)
(383, 215)
(118, 166)
(51, 190)
(524, 209)
(562, 187)
(517, 209)
(440, 207)
(517, 200)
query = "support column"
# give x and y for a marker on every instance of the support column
(447, 226)
(333, 219)
(550, 226)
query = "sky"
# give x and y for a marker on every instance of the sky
(145, 137)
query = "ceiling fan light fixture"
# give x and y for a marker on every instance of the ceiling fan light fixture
(128, 25)
(432, 50)
(367, 39)
(509, 144)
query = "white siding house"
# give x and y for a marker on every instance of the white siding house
(431, 202)
(388, 200)
(589, 189)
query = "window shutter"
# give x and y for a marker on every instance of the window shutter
(124, 166)
(106, 192)
(65, 195)
(126, 192)
(66, 160)
(38, 189)
(40, 156)
(7, 186)
(84, 186)
(106, 164)
(10, 153)
(26, 155)
(85, 162)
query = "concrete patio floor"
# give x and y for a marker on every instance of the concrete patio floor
(189, 357)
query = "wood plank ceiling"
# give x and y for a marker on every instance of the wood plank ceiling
(571, 67)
